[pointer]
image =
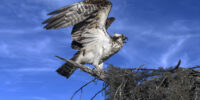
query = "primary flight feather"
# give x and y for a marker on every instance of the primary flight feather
(89, 34)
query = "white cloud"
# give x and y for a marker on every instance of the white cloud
(21, 31)
(171, 51)
(185, 61)
(184, 26)
(127, 53)
(39, 98)
(56, 3)
(180, 30)
(4, 49)
(28, 70)
(23, 48)
(38, 46)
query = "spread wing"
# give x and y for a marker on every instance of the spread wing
(77, 45)
(70, 15)
(89, 19)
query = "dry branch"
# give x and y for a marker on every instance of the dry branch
(99, 74)
(80, 89)
(99, 92)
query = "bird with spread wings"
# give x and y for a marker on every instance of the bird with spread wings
(89, 34)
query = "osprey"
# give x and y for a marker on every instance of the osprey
(89, 34)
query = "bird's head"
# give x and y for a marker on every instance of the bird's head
(119, 38)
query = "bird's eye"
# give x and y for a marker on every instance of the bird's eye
(116, 38)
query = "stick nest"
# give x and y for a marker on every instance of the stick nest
(152, 84)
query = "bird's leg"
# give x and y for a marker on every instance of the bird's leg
(100, 68)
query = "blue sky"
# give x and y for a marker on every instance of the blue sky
(160, 33)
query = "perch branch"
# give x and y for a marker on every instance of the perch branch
(99, 74)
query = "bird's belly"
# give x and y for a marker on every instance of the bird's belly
(91, 56)
(96, 54)
(88, 58)
(108, 53)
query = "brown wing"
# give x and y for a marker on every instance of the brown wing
(84, 16)
(70, 15)
(83, 25)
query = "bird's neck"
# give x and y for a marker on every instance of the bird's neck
(116, 46)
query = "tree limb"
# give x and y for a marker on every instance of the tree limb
(99, 74)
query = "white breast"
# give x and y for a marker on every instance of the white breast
(98, 49)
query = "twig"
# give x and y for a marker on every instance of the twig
(118, 89)
(139, 67)
(81, 93)
(99, 92)
(81, 88)
(161, 83)
(195, 67)
(196, 93)
(178, 65)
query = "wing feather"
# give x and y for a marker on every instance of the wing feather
(70, 15)
(89, 19)
(92, 31)
(67, 8)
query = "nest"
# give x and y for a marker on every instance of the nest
(152, 84)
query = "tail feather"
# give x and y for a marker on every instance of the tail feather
(66, 70)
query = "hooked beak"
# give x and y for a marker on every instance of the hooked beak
(125, 39)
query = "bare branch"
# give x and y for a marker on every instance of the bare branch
(99, 92)
(178, 65)
(195, 67)
(139, 68)
(82, 88)
(157, 87)
(99, 74)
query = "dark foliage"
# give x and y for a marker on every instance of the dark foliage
(152, 84)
